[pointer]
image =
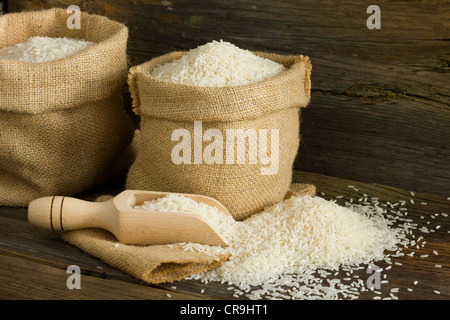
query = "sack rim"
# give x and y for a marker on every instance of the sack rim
(120, 28)
(138, 79)
(144, 68)
(52, 83)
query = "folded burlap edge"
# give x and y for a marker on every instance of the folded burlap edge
(152, 264)
(300, 189)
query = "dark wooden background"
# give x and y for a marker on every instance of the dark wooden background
(380, 98)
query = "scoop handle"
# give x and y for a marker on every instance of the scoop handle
(65, 213)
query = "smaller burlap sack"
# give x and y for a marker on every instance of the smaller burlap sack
(157, 263)
(165, 107)
(63, 128)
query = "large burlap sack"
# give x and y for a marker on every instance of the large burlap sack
(62, 124)
(165, 107)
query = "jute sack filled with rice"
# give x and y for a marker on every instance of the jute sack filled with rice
(221, 136)
(62, 124)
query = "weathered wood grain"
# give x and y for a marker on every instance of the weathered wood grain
(380, 98)
(22, 279)
(39, 256)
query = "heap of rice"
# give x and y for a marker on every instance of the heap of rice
(287, 244)
(218, 64)
(44, 49)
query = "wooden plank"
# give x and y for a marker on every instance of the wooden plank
(373, 142)
(157, 27)
(24, 279)
(35, 251)
(380, 98)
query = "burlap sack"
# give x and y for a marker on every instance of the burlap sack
(62, 124)
(165, 107)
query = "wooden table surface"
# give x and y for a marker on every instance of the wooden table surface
(34, 262)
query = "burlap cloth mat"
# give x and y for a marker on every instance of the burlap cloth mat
(156, 263)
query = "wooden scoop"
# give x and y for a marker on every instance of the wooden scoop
(130, 225)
